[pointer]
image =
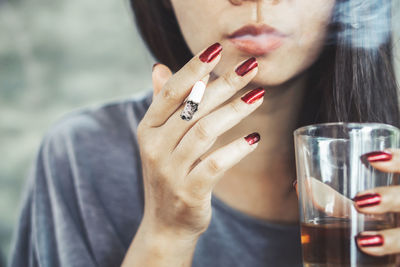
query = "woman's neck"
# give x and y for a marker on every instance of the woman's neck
(275, 120)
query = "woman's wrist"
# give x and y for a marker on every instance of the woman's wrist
(165, 237)
(158, 248)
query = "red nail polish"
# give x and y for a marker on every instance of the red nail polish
(367, 200)
(252, 138)
(246, 66)
(370, 240)
(211, 53)
(376, 156)
(253, 95)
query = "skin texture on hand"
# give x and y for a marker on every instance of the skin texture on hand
(177, 184)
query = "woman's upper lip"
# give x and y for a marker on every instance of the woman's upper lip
(252, 29)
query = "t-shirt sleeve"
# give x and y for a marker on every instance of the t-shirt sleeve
(49, 232)
(22, 255)
(84, 198)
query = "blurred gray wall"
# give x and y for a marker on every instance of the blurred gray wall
(56, 56)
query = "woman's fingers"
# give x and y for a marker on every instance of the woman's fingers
(385, 161)
(378, 200)
(379, 243)
(203, 177)
(160, 75)
(216, 93)
(178, 87)
(374, 201)
(204, 133)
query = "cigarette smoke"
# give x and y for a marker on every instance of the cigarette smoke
(363, 23)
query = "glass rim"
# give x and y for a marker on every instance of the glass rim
(302, 130)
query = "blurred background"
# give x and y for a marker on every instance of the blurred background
(57, 56)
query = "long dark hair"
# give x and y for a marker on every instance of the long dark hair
(348, 82)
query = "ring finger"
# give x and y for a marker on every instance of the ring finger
(204, 133)
(217, 92)
(379, 243)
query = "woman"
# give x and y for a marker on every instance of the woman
(132, 183)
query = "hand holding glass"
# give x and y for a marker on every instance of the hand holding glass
(330, 173)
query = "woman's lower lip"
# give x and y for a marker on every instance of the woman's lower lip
(257, 48)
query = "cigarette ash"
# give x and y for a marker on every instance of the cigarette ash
(189, 110)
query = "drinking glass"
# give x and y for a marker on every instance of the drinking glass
(330, 172)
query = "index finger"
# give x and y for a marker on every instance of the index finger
(179, 85)
(387, 160)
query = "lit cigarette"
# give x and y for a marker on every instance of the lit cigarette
(193, 100)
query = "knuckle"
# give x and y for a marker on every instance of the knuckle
(151, 156)
(167, 173)
(169, 93)
(141, 129)
(198, 185)
(235, 106)
(182, 202)
(201, 132)
(149, 152)
(195, 68)
(229, 80)
(192, 70)
(214, 167)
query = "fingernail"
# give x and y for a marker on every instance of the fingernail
(295, 183)
(376, 156)
(252, 138)
(367, 200)
(246, 66)
(253, 95)
(370, 240)
(211, 53)
(155, 64)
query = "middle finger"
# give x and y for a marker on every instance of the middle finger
(202, 135)
(217, 92)
(378, 200)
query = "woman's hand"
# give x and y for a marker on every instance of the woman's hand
(380, 200)
(375, 201)
(178, 183)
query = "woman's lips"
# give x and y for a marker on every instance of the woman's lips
(257, 39)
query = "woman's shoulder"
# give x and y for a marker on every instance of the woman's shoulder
(97, 137)
(110, 120)
(86, 175)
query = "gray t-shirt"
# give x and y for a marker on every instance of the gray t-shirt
(84, 201)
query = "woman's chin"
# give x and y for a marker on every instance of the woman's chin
(271, 73)
(269, 80)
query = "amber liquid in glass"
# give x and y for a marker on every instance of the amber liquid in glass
(331, 243)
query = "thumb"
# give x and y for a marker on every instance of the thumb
(161, 74)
